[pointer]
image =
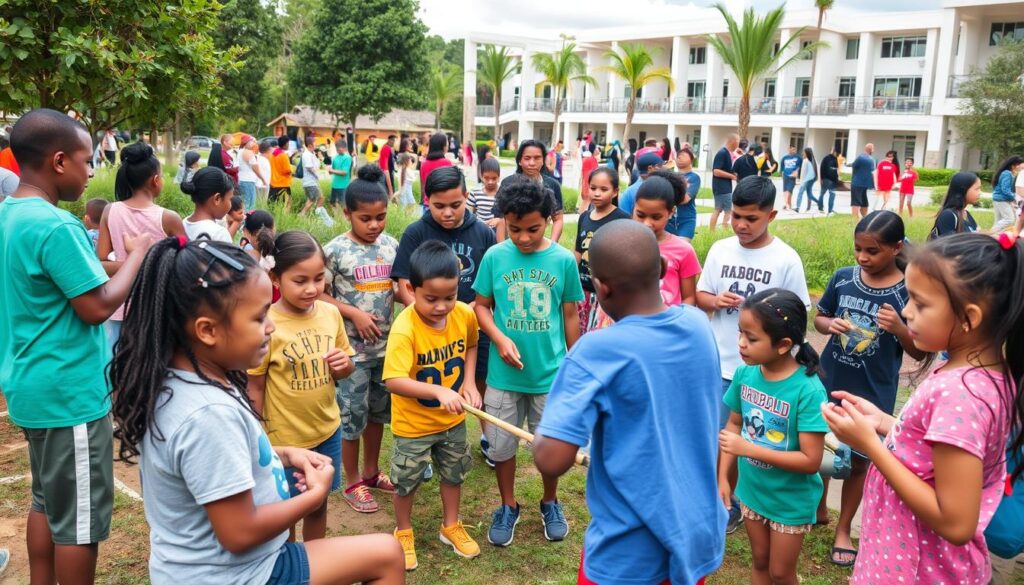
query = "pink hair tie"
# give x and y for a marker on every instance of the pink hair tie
(1007, 240)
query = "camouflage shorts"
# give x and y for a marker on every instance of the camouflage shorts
(362, 398)
(448, 449)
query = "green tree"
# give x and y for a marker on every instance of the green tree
(255, 29)
(449, 55)
(494, 67)
(748, 50)
(823, 6)
(445, 85)
(113, 62)
(993, 119)
(634, 64)
(560, 69)
(361, 57)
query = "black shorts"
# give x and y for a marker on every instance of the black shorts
(275, 193)
(337, 197)
(111, 155)
(483, 352)
(858, 196)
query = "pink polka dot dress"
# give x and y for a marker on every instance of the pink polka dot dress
(961, 407)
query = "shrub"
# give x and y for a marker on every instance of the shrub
(935, 177)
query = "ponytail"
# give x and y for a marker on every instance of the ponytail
(808, 357)
(138, 165)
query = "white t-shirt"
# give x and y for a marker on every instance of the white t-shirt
(109, 142)
(1020, 183)
(216, 232)
(310, 164)
(264, 163)
(731, 267)
(245, 172)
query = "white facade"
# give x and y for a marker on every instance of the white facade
(890, 79)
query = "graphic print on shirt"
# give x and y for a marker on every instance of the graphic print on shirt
(305, 358)
(442, 366)
(373, 278)
(467, 268)
(267, 457)
(530, 294)
(744, 273)
(765, 421)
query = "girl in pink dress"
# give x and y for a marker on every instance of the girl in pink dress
(656, 202)
(938, 476)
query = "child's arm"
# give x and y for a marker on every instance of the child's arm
(256, 388)
(830, 325)
(365, 323)
(558, 222)
(340, 363)
(727, 461)
(571, 319)
(711, 302)
(553, 457)
(499, 234)
(889, 320)
(506, 347)
(104, 246)
(172, 224)
(951, 508)
(688, 290)
(450, 401)
(97, 305)
(469, 390)
(806, 460)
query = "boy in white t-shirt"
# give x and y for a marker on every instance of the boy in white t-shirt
(263, 159)
(738, 267)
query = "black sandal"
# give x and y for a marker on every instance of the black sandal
(840, 550)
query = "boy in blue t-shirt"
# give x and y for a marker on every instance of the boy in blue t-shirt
(53, 350)
(790, 165)
(532, 284)
(620, 389)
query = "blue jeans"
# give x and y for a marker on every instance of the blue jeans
(807, 186)
(291, 567)
(248, 192)
(829, 186)
(331, 447)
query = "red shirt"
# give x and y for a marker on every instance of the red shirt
(426, 167)
(229, 165)
(907, 180)
(589, 164)
(887, 173)
(385, 158)
(8, 161)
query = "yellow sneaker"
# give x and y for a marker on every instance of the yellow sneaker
(457, 537)
(408, 542)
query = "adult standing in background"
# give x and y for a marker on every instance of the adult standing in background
(830, 178)
(435, 158)
(387, 164)
(109, 145)
(280, 173)
(862, 181)
(588, 163)
(7, 160)
(371, 150)
(220, 157)
(721, 180)
(249, 172)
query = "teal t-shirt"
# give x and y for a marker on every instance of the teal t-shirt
(342, 162)
(774, 415)
(51, 362)
(528, 292)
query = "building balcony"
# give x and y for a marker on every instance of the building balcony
(509, 106)
(540, 105)
(484, 111)
(845, 106)
(955, 82)
(689, 105)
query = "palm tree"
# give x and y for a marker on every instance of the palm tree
(560, 69)
(445, 86)
(749, 51)
(634, 65)
(823, 6)
(494, 67)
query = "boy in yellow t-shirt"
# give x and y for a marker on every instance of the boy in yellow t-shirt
(431, 346)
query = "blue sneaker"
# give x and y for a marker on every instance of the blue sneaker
(428, 472)
(503, 525)
(485, 445)
(5, 558)
(735, 518)
(555, 525)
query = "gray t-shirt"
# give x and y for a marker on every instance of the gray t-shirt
(212, 448)
(310, 165)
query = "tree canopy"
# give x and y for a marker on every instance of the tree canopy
(257, 31)
(993, 117)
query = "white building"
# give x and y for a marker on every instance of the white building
(887, 78)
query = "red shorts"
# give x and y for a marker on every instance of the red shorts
(581, 578)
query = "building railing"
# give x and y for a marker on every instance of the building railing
(689, 105)
(955, 83)
(844, 106)
(509, 105)
(485, 111)
(540, 105)
(792, 105)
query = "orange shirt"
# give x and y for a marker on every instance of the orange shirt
(8, 162)
(280, 169)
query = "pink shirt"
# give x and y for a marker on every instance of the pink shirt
(123, 220)
(425, 167)
(960, 407)
(682, 263)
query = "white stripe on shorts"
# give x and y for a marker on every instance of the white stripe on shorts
(82, 491)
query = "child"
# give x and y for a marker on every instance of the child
(292, 388)
(776, 431)
(655, 205)
(137, 185)
(281, 173)
(53, 351)
(211, 190)
(310, 176)
(432, 344)
(684, 224)
(263, 178)
(188, 168)
(887, 174)
(407, 176)
(253, 225)
(529, 162)
(93, 215)
(361, 288)
(861, 311)
(341, 174)
(236, 215)
(614, 391)
(740, 266)
(937, 478)
(604, 190)
(532, 284)
(481, 199)
(217, 500)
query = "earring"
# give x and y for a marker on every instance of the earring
(966, 327)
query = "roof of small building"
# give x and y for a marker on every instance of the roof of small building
(394, 120)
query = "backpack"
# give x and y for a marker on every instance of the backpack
(299, 171)
(1004, 535)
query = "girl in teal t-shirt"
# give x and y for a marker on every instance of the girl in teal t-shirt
(776, 432)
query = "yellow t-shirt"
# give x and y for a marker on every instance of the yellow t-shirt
(299, 406)
(422, 353)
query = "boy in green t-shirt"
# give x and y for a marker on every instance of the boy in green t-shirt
(532, 285)
(55, 297)
(341, 174)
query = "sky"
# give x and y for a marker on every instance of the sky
(547, 18)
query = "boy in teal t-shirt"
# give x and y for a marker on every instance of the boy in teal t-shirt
(532, 284)
(341, 174)
(53, 352)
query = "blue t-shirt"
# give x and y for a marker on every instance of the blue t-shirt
(723, 162)
(1003, 191)
(863, 166)
(653, 493)
(684, 222)
(627, 201)
(866, 360)
(790, 163)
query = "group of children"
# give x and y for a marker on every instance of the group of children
(244, 378)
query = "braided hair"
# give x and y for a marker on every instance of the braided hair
(177, 279)
(784, 316)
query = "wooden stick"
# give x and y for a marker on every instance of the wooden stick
(581, 459)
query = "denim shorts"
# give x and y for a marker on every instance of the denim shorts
(248, 191)
(337, 196)
(723, 202)
(788, 184)
(331, 447)
(292, 566)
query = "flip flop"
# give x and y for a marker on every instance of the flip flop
(840, 550)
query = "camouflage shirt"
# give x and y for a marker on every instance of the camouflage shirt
(361, 277)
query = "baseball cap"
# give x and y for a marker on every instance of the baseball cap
(647, 161)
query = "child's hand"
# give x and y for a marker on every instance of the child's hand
(839, 326)
(871, 412)
(472, 395)
(366, 325)
(338, 361)
(725, 492)
(450, 401)
(142, 242)
(732, 444)
(851, 427)
(508, 351)
(319, 478)
(889, 320)
(728, 300)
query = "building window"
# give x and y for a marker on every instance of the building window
(904, 146)
(902, 47)
(775, 49)
(842, 141)
(725, 88)
(698, 55)
(695, 89)
(852, 48)
(1005, 30)
(804, 45)
(803, 87)
(897, 87)
(796, 139)
(769, 88)
(625, 92)
(847, 86)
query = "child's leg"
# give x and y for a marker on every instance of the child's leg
(509, 407)
(536, 411)
(350, 460)
(902, 199)
(353, 398)
(822, 517)
(373, 435)
(76, 564)
(760, 547)
(379, 414)
(371, 558)
(403, 510)
(40, 548)
(314, 526)
(409, 459)
(785, 552)
(910, 205)
(451, 495)
(451, 462)
(853, 491)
